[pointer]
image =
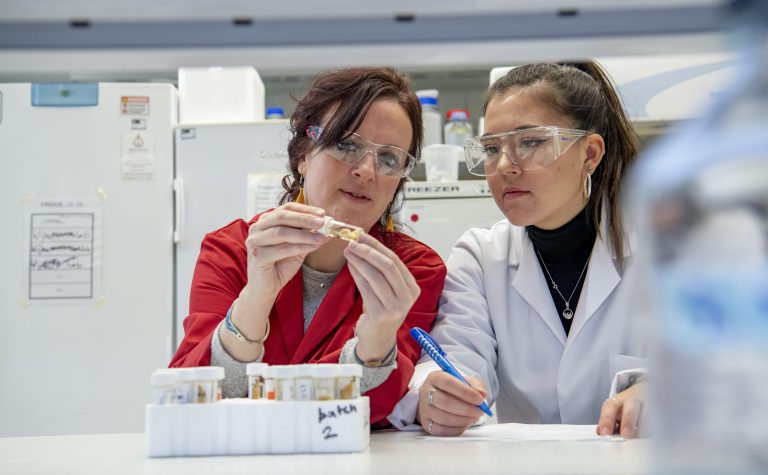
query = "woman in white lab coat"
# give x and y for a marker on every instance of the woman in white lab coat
(539, 309)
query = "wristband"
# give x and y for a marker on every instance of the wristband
(238, 334)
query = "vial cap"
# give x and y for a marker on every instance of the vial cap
(326, 370)
(282, 371)
(206, 373)
(350, 370)
(186, 374)
(255, 369)
(457, 114)
(164, 377)
(304, 370)
(429, 101)
(275, 111)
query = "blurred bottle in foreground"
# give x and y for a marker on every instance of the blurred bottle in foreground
(701, 200)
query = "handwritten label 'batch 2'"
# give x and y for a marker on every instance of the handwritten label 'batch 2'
(339, 411)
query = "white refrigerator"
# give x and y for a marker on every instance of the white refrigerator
(87, 257)
(438, 213)
(222, 172)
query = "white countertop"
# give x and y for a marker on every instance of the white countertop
(389, 452)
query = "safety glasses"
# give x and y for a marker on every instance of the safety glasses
(389, 159)
(529, 149)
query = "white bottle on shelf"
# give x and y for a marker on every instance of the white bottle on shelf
(275, 113)
(458, 128)
(430, 114)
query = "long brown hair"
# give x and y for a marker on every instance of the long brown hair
(583, 92)
(349, 93)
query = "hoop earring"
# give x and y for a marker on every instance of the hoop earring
(300, 197)
(390, 224)
(587, 186)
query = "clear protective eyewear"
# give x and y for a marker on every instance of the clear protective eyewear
(528, 149)
(389, 159)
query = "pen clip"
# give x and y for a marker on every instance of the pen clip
(431, 340)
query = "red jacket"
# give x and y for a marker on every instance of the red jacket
(220, 275)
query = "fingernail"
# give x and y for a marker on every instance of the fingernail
(604, 431)
(626, 432)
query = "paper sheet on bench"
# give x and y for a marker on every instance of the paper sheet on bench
(530, 432)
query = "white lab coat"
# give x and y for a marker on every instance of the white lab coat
(497, 322)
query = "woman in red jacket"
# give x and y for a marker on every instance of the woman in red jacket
(277, 291)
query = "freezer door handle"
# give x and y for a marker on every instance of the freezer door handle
(178, 209)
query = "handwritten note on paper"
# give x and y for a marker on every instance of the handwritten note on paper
(62, 243)
(529, 432)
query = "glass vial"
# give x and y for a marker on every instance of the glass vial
(285, 385)
(270, 392)
(164, 386)
(207, 384)
(255, 373)
(348, 381)
(185, 385)
(337, 229)
(325, 381)
(305, 383)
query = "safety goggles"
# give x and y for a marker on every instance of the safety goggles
(528, 149)
(389, 159)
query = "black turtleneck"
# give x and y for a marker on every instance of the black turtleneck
(565, 252)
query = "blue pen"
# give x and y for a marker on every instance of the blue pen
(434, 351)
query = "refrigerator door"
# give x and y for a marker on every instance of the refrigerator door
(86, 294)
(438, 213)
(223, 172)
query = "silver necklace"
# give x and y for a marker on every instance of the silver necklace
(567, 312)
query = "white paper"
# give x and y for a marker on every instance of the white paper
(264, 189)
(63, 250)
(529, 432)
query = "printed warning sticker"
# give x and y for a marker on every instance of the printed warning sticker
(134, 105)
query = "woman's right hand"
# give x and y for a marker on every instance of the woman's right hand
(278, 243)
(452, 406)
(276, 246)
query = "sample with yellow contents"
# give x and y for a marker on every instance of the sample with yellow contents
(337, 229)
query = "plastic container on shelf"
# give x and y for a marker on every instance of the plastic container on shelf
(220, 94)
(430, 116)
(441, 162)
(275, 113)
(458, 128)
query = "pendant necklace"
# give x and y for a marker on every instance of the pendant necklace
(567, 312)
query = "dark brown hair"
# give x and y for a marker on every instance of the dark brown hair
(349, 93)
(583, 92)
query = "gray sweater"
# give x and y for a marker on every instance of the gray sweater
(316, 285)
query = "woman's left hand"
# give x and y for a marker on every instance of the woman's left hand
(621, 413)
(389, 290)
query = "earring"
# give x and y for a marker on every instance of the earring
(390, 224)
(300, 196)
(587, 185)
